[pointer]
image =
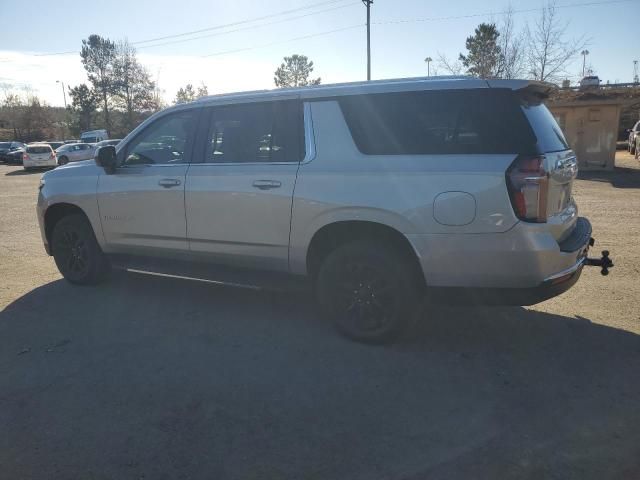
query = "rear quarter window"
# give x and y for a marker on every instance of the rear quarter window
(548, 133)
(481, 121)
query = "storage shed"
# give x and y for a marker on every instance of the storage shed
(591, 128)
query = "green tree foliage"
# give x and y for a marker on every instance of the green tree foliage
(189, 94)
(484, 55)
(295, 72)
(84, 103)
(98, 57)
(133, 89)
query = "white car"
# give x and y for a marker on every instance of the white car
(373, 194)
(39, 155)
(74, 152)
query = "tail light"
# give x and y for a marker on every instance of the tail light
(25, 156)
(528, 184)
(52, 156)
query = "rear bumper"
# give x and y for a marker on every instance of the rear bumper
(523, 257)
(555, 285)
(39, 164)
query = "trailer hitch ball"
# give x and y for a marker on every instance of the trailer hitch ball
(604, 262)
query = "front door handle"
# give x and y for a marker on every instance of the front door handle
(267, 184)
(169, 182)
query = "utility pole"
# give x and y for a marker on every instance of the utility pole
(428, 60)
(584, 54)
(635, 71)
(368, 3)
(64, 94)
(64, 97)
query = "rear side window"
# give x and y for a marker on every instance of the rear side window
(39, 149)
(442, 122)
(256, 132)
(549, 135)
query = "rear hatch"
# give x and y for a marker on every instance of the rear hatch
(541, 181)
(560, 163)
(40, 154)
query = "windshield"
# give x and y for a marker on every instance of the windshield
(5, 145)
(89, 139)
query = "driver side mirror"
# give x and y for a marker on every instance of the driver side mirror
(107, 159)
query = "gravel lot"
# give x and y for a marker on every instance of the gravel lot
(154, 378)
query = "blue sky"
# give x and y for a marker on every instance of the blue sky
(398, 49)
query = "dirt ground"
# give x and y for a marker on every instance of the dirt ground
(156, 378)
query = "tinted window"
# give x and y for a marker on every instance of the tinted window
(258, 132)
(39, 149)
(549, 135)
(449, 122)
(165, 141)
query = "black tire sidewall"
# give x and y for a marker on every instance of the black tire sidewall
(383, 257)
(97, 261)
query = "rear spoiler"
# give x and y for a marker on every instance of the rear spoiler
(534, 88)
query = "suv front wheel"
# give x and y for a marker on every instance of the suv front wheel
(369, 291)
(76, 251)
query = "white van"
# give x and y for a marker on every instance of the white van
(94, 136)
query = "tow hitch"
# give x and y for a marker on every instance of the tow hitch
(604, 261)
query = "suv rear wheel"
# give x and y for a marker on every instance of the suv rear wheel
(76, 251)
(369, 291)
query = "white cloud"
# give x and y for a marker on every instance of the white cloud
(19, 71)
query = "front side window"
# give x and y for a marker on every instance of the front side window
(259, 132)
(164, 142)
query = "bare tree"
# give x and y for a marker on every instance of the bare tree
(452, 67)
(512, 46)
(549, 51)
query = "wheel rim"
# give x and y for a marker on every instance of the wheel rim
(365, 298)
(73, 253)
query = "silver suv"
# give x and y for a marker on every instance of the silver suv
(377, 193)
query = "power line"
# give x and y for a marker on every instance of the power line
(216, 27)
(241, 22)
(327, 32)
(388, 22)
(250, 27)
(474, 15)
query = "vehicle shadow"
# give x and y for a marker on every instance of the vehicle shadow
(15, 173)
(155, 377)
(620, 177)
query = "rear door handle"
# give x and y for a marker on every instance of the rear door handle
(267, 184)
(169, 182)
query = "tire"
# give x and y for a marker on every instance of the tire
(63, 160)
(368, 290)
(76, 252)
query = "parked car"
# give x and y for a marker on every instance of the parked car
(105, 143)
(74, 152)
(94, 136)
(8, 148)
(374, 193)
(14, 157)
(39, 155)
(633, 134)
(71, 141)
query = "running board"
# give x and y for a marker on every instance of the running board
(211, 273)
